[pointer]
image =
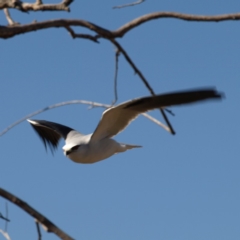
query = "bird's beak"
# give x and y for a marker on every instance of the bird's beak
(67, 153)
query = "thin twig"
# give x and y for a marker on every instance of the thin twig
(4, 218)
(50, 226)
(79, 35)
(139, 73)
(156, 121)
(115, 77)
(11, 22)
(129, 4)
(7, 220)
(38, 231)
(95, 104)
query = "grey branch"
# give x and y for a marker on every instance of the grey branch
(187, 17)
(11, 22)
(129, 4)
(11, 4)
(39, 6)
(94, 104)
(50, 226)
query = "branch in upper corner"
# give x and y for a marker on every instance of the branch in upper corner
(50, 226)
(39, 6)
(129, 4)
(8, 32)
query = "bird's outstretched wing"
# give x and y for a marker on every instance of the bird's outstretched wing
(115, 119)
(50, 132)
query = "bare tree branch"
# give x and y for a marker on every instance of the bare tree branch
(94, 104)
(115, 77)
(39, 6)
(139, 73)
(7, 32)
(156, 121)
(4, 218)
(7, 220)
(86, 36)
(129, 4)
(50, 226)
(38, 231)
(187, 17)
(8, 17)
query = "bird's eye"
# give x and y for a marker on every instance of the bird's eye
(75, 147)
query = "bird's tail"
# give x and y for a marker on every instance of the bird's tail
(126, 147)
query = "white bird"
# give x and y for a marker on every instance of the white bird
(99, 145)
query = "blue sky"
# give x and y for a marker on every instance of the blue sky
(174, 188)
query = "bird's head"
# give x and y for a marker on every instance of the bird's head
(75, 152)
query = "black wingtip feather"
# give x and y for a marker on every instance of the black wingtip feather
(49, 139)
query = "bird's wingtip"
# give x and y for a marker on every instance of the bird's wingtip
(31, 121)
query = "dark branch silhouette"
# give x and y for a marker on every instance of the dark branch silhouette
(115, 77)
(38, 231)
(46, 223)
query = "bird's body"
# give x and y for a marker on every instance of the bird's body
(99, 145)
(92, 152)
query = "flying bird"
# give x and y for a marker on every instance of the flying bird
(99, 145)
